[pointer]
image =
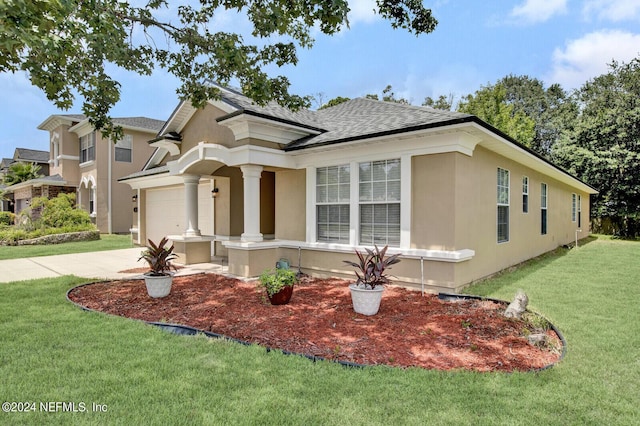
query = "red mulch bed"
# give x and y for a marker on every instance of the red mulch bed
(410, 330)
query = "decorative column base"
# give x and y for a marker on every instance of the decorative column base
(251, 238)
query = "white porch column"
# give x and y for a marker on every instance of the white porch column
(191, 205)
(251, 178)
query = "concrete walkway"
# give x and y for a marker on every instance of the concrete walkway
(99, 265)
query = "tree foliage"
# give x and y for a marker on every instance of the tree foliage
(335, 101)
(60, 211)
(604, 147)
(443, 102)
(66, 46)
(489, 104)
(552, 109)
(21, 172)
(388, 95)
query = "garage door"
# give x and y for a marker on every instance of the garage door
(165, 211)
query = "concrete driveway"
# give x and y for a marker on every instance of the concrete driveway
(99, 265)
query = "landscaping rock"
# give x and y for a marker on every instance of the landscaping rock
(538, 339)
(61, 238)
(518, 306)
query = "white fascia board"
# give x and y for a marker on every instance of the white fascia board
(171, 146)
(405, 144)
(54, 121)
(506, 148)
(246, 126)
(82, 128)
(245, 154)
(154, 181)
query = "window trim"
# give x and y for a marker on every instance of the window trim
(579, 211)
(405, 200)
(116, 146)
(90, 137)
(525, 194)
(386, 202)
(500, 205)
(336, 203)
(544, 207)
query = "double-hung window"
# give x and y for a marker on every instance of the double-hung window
(379, 198)
(579, 211)
(332, 203)
(525, 194)
(574, 207)
(88, 147)
(503, 205)
(123, 149)
(543, 208)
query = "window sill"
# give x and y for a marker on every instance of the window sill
(87, 163)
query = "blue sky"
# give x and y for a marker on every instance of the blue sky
(476, 43)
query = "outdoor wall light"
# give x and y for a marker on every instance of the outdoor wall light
(214, 192)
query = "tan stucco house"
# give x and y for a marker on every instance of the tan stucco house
(81, 161)
(459, 199)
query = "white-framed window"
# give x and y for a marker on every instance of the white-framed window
(333, 203)
(88, 147)
(503, 205)
(574, 207)
(579, 211)
(525, 194)
(123, 149)
(379, 199)
(543, 208)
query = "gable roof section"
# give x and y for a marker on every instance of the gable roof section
(31, 155)
(141, 123)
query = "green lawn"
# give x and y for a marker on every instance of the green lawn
(52, 351)
(106, 242)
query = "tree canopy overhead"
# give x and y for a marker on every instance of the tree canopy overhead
(65, 45)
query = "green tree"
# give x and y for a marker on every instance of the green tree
(60, 211)
(443, 102)
(604, 147)
(65, 46)
(21, 172)
(335, 101)
(387, 96)
(490, 104)
(552, 109)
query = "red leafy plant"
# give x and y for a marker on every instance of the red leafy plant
(371, 267)
(159, 257)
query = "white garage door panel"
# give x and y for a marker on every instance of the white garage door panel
(165, 213)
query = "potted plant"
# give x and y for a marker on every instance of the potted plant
(279, 284)
(366, 292)
(159, 278)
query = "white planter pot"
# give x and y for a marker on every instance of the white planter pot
(366, 301)
(158, 286)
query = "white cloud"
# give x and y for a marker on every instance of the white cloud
(587, 57)
(535, 11)
(612, 10)
(362, 11)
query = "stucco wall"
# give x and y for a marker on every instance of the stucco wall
(476, 214)
(290, 207)
(204, 128)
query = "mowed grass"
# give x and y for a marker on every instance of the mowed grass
(52, 351)
(106, 242)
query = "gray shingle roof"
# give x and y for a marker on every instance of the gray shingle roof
(354, 119)
(148, 172)
(140, 122)
(31, 155)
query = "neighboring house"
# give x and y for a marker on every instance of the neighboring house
(459, 199)
(81, 161)
(22, 155)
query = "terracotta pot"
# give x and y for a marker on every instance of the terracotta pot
(282, 297)
(158, 285)
(366, 301)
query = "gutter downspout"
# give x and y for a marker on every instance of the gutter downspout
(109, 212)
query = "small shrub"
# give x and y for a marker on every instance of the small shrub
(7, 218)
